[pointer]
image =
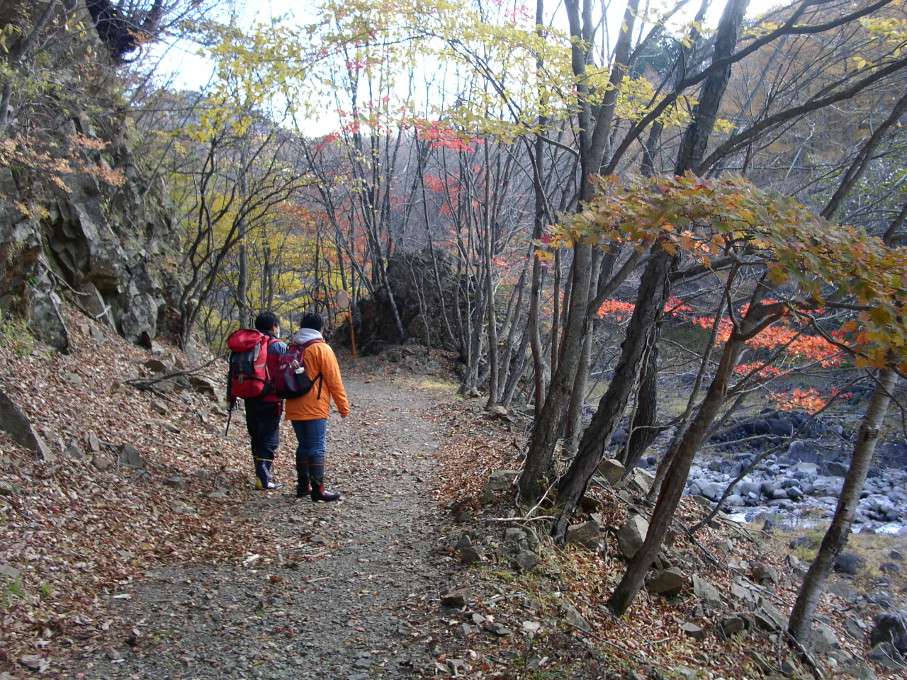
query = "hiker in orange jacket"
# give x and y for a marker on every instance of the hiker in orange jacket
(309, 413)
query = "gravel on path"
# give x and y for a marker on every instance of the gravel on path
(352, 595)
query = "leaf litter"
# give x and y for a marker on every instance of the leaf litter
(179, 569)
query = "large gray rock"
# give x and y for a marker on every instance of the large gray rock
(129, 456)
(631, 535)
(706, 592)
(587, 534)
(640, 481)
(886, 655)
(666, 582)
(612, 470)
(891, 627)
(17, 425)
(573, 617)
(500, 481)
(824, 639)
(426, 289)
(849, 564)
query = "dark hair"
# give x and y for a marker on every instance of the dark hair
(265, 321)
(312, 320)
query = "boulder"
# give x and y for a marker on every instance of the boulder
(612, 470)
(129, 456)
(573, 617)
(587, 534)
(886, 655)
(692, 630)
(426, 288)
(732, 625)
(824, 639)
(767, 617)
(17, 425)
(890, 627)
(835, 469)
(640, 481)
(631, 535)
(765, 574)
(526, 560)
(849, 564)
(109, 248)
(666, 582)
(706, 592)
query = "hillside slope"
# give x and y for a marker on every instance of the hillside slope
(134, 546)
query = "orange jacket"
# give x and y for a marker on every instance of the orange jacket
(319, 360)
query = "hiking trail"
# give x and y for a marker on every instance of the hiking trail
(346, 600)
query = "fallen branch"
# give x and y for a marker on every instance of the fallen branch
(517, 520)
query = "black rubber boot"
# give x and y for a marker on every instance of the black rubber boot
(319, 494)
(303, 488)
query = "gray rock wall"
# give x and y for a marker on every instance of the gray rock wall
(101, 247)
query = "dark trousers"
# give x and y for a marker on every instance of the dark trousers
(263, 423)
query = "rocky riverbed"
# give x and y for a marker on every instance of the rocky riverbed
(801, 478)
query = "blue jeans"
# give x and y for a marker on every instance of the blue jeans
(312, 438)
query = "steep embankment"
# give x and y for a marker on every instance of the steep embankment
(133, 545)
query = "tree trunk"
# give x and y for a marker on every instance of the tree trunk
(548, 422)
(643, 430)
(676, 478)
(650, 301)
(800, 625)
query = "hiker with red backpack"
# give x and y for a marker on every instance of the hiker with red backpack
(253, 363)
(308, 413)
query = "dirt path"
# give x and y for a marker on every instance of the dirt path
(350, 595)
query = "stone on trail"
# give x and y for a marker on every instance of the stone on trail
(531, 627)
(455, 598)
(469, 555)
(496, 628)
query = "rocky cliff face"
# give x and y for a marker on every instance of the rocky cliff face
(79, 221)
(102, 247)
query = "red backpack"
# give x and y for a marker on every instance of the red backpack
(290, 377)
(248, 377)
